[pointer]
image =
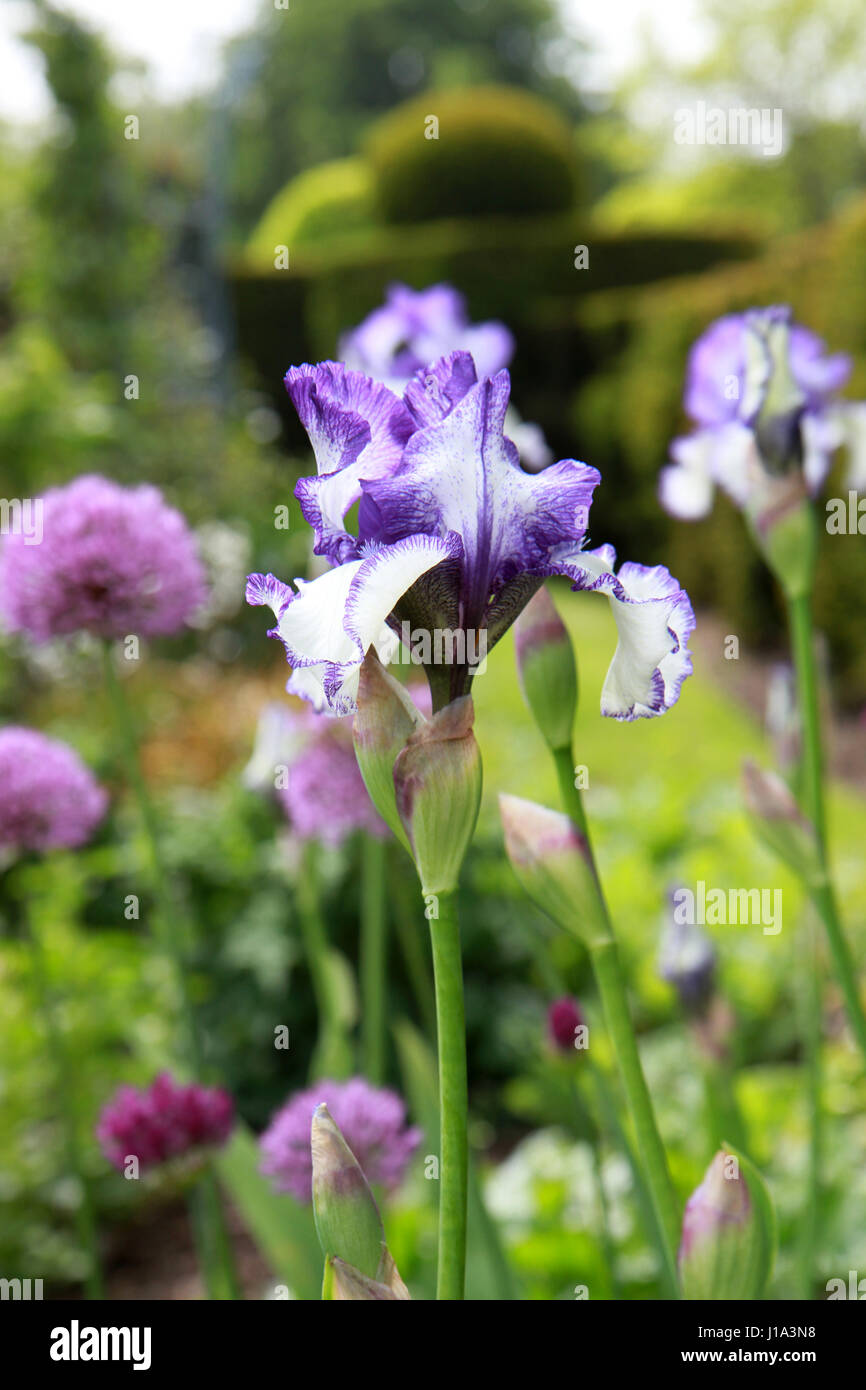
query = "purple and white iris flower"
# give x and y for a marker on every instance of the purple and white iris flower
(453, 537)
(415, 327)
(761, 390)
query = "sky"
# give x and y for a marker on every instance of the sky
(180, 40)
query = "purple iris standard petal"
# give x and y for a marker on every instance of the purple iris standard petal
(357, 427)
(111, 561)
(372, 1121)
(462, 476)
(48, 798)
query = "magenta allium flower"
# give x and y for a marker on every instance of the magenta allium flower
(48, 798)
(325, 798)
(164, 1121)
(371, 1120)
(563, 1020)
(111, 561)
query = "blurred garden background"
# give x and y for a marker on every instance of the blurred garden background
(198, 247)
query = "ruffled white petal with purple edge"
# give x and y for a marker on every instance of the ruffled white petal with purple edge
(328, 626)
(654, 620)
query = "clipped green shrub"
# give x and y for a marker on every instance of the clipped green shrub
(321, 203)
(472, 152)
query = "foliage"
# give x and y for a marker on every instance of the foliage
(330, 199)
(494, 151)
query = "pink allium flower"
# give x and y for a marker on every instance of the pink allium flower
(372, 1121)
(563, 1020)
(325, 798)
(163, 1121)
(48, 798)
(111, 561)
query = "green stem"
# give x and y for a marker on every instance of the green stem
(416, 962)
(607, 1243)
(333, 1053)
(85, 1216)
(373, 953)
(170, 918)
(453, 1100)
(800, 614)
(611, 985)
(572, 802)
(812, 1038)
(215, 1253)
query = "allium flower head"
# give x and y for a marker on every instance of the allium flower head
(112, 561)
(762, 393)
(48, 798)
(371, 1120)
(311, 761)
(454, 537)
(166, 1120)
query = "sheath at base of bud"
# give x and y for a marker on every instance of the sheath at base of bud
(437, 780)
(385, 720)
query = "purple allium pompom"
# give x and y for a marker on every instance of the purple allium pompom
(371, 1120)
(163, 1121)
(325, 798)
(563, 1020)
(112, 561)
(48, 798)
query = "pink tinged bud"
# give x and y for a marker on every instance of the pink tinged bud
(546, 669)
(563, 1020)
(345, 1284)
(553, 864)
(778, 821)
(728, 1235)
(385, 720)
(437, 781)
(347, 1217)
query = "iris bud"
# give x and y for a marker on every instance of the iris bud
(553, 864)
(780, 823)
(728, 1235)
(546, 669)
(348, 1223)
(385, 720)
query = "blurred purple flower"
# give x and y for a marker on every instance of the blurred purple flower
(453, 537)
(371, 1120)
(687, 960)
(166, 1120)
(761, 390)
(48, 798)
(310, 761)
(563, 1020)
(416, 327)
(112, 561)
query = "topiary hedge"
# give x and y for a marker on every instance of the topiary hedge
(472, 152)
(328, 201)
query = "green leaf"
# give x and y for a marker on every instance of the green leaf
(282, 1228)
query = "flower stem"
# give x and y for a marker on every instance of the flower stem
(812, 1037)
(611, 986)
(215, 1253)
(373, 957)
(333, 1053)
(169, 914)
(453, 1101)
(85, 1216)
(802, 640)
